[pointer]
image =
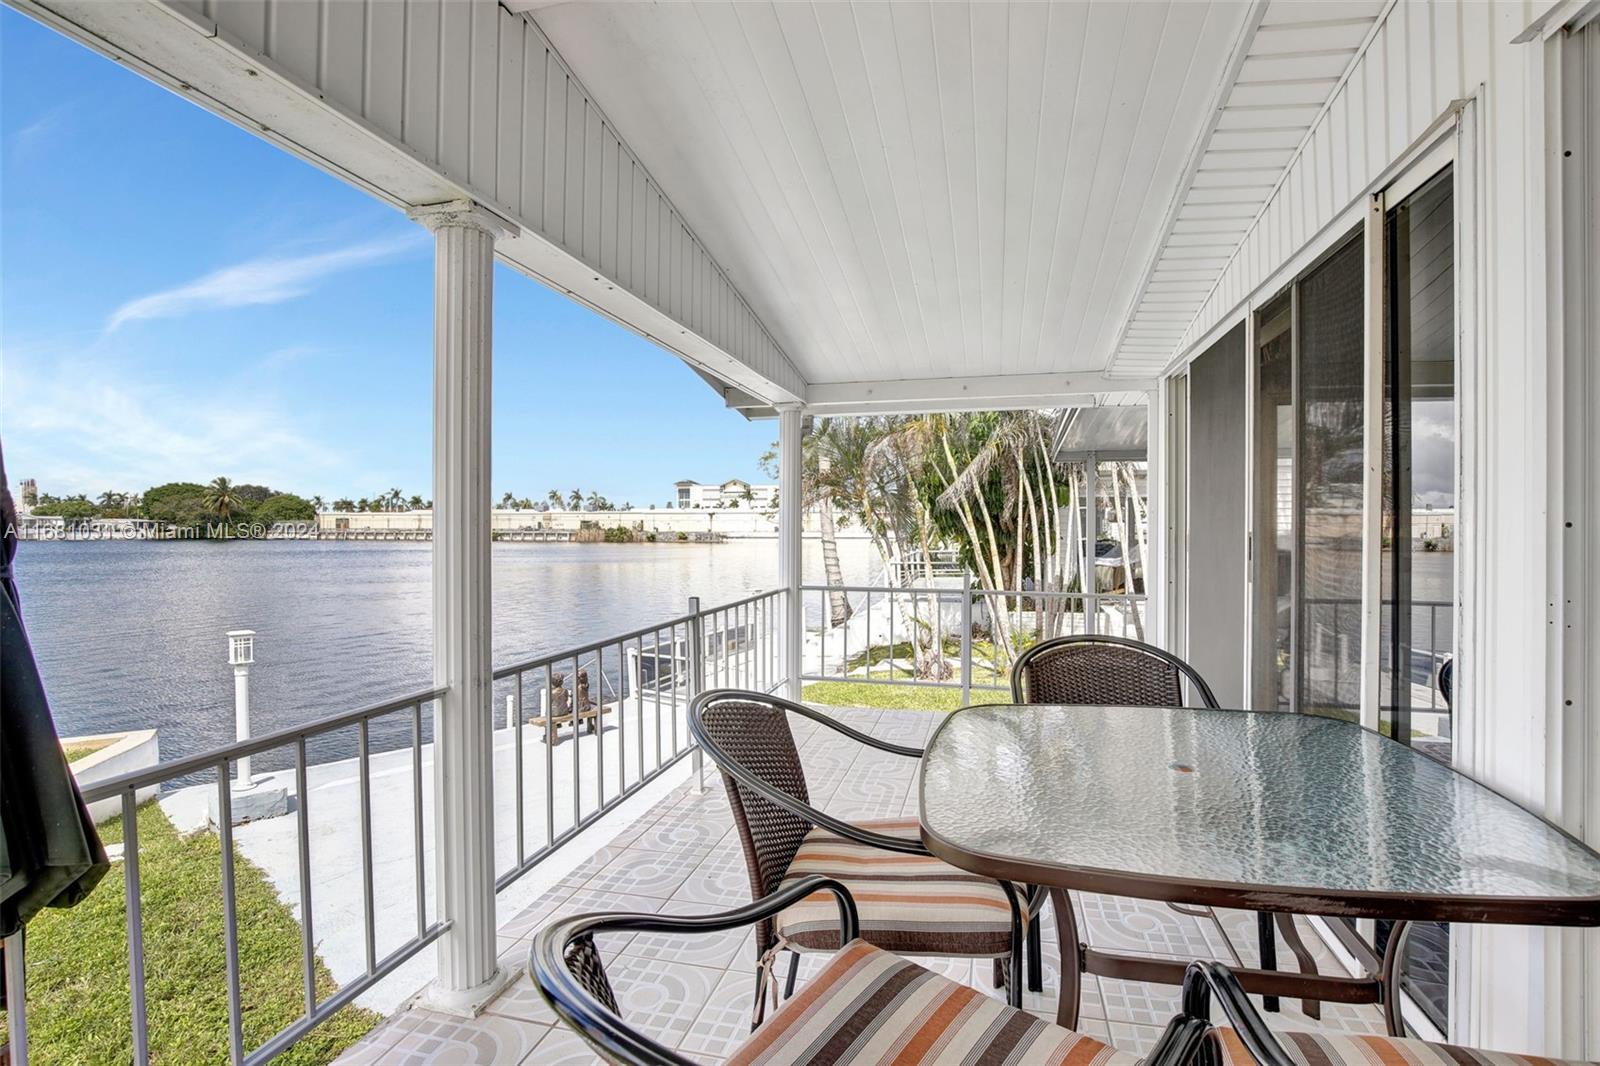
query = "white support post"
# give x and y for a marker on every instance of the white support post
(790, 513)
(1156, 628)
(463, 788)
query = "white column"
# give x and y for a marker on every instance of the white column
(241, 722)
(463, 724)
(1157, 629)
(790, 513)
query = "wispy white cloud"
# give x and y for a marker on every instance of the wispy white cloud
(267, 280)
(87, 425)
(36, 136)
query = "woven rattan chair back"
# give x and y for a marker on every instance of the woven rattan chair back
(583, 959)
(1092, 670)
(757, 736)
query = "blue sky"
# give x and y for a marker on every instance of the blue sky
(180, 299)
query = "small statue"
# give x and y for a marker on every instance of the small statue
(584, 703)
(560, 698)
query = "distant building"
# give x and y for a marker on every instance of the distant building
(734, 492)
(29, 495)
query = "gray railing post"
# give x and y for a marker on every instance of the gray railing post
(697, 683)
(966, 637)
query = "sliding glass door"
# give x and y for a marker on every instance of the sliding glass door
(1419, 497)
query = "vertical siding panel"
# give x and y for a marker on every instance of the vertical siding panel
(623, 267)
(534, 104)
(650, 272)
(1375, 116)
(573, 191)
(609, 208)
(1447, 55)
(1339, 155)
(293, 29)
(555, 151)
(483, 64)
(508, 140)
(1397, 104)
(594, 134)
(455, 89)
(420, 123)
(342, 74)
(385, 88)
(1419, 67)
(244, 20)
(641, 227)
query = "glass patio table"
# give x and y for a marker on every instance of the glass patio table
(1273, 812)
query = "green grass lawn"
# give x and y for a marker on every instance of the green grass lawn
(83, 749)
(78, 1000)
(894, 697)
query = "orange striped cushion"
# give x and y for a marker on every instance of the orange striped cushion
(910, 904)
(1348, 1049)
(869, 1006)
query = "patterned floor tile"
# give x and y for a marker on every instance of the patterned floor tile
(638, 872)
(562, 1047)
(1137, 1039)
(659, 997)
(427, 1037)
(1138, 1003)
(724, 1022)
(522, 1000)
(721, 879)
(1116, 924)
(716, 950)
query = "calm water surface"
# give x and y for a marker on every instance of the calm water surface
(130, 634)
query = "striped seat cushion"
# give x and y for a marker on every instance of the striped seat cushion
(909, 904)
(869, 1006)
(1348, 1049)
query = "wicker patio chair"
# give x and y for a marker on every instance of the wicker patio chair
(911, 903)
(1090, 669)
(1096, 670)
(1249, 1041)
(866, 1006)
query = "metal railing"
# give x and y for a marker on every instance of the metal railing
(222, 760)
(623, 720)
(620, 707)
(957, 636)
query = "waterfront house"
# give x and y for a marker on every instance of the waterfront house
(1340, 256)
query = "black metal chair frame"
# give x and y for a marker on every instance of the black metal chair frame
(1265, 937)
(581, 1003)
(1205, 979)
(1021, 918)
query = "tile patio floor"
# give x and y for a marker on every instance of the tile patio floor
(683, 856)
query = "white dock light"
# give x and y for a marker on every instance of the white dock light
(249, 800)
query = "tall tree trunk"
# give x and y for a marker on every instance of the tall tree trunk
(997, 604)
(1127, 554)
(838, 602)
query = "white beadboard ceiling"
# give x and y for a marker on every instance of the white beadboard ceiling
(938, 190)
(915, 190)
(1297, 57)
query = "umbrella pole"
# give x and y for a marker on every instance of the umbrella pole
(16, 999)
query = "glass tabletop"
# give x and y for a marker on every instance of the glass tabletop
(1284, 811)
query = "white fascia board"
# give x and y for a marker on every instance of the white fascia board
(180, 49)
(996, 393)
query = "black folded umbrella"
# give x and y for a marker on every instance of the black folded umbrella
(50, 854)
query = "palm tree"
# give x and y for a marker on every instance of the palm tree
(220, 499)
(575, 500)
(108, 500)
(316, 502)
(507, 501)
(556, 499)
(817, 483)
(363, 504)
(415, 503)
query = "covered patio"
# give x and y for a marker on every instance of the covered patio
(1286, 233)
(695, 992)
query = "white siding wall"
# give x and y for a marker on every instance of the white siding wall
(1519, 989)
(479, 95)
